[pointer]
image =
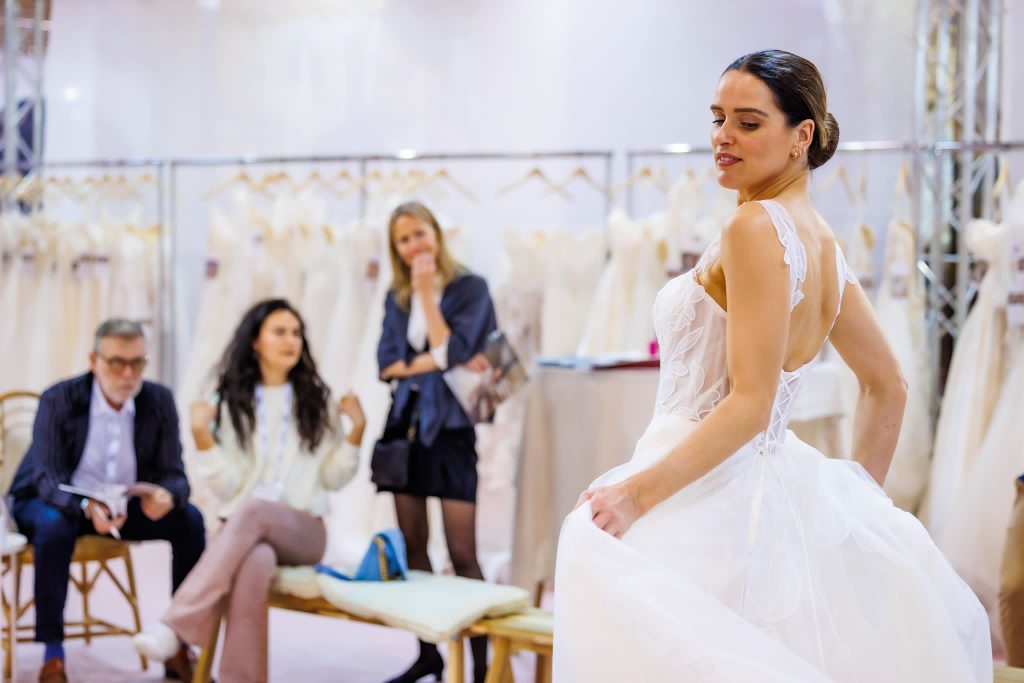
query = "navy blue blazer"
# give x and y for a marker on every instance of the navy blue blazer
(467, 308)
(58, 441)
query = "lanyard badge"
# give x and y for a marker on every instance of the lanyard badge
(273, 490)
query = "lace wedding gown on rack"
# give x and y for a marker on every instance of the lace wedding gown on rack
(974, 533)
(900, 307)
(572, 269)
(93, 285)
(20, 268)
(619, 319)
(778, 565)
(351, 291)
(225, 296)
(976, 375)
(357, 512)
(41, 298)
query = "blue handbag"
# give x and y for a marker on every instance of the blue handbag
(384, 560)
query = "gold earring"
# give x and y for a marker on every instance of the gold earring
(795, 153)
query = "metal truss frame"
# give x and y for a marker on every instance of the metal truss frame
(958, 73)
(23, 53)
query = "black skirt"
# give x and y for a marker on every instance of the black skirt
(446, 469)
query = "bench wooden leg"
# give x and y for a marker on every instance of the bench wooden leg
(500, 664)
(203, 671)
(456, 665)
(543, 674)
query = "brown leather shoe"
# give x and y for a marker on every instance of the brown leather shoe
(53, 672)
(180, 666)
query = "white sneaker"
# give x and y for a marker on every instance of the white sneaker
(158, 641)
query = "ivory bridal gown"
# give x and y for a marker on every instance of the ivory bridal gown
(780, 564)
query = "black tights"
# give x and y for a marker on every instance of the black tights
(460, 532)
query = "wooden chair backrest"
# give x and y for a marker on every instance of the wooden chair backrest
(17, 414)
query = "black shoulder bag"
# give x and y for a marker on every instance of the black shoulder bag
(389, 465)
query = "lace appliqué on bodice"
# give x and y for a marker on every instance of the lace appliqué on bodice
(690, 326)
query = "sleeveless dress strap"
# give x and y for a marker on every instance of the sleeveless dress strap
(795, 255)
(844, 275)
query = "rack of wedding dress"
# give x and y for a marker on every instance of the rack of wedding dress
(281, 234)
(644, 253)
(900, 306)
(977, 368)
(981, 418)
(76, 249)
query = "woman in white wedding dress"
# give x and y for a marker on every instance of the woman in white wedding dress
(726, 550)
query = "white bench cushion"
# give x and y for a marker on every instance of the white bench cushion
(298, 581)
(433, 606)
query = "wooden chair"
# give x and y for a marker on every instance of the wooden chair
(93, 555)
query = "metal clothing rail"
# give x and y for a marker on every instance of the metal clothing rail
(401, 155)
(363, 160)
(172, 165)
(865, 146)
(165, 244)
(98, 163)
(679, 149)
(606, 155)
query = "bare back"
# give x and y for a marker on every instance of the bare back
(820, 273)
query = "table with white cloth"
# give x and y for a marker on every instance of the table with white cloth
(581, 422)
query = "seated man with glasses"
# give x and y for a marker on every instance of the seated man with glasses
(106, 428)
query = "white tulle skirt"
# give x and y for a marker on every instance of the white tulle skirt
(790, 567)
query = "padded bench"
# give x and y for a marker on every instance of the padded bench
(436, 608)
(319, 606)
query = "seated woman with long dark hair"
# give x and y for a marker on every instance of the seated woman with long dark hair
(271, 449)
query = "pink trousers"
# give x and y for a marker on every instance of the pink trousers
(238, 565)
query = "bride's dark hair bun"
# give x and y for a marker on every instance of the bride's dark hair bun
(800, 94)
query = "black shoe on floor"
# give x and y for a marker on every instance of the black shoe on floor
(429, 663)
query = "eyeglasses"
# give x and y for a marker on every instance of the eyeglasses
(118, 365)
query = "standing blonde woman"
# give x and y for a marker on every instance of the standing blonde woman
(271, 449)
(436, 316)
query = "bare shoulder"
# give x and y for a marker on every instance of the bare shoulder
(822, 226)
(749, 229)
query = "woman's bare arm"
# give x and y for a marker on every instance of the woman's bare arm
(883, 391)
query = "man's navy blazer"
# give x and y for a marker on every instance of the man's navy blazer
(58, 441)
